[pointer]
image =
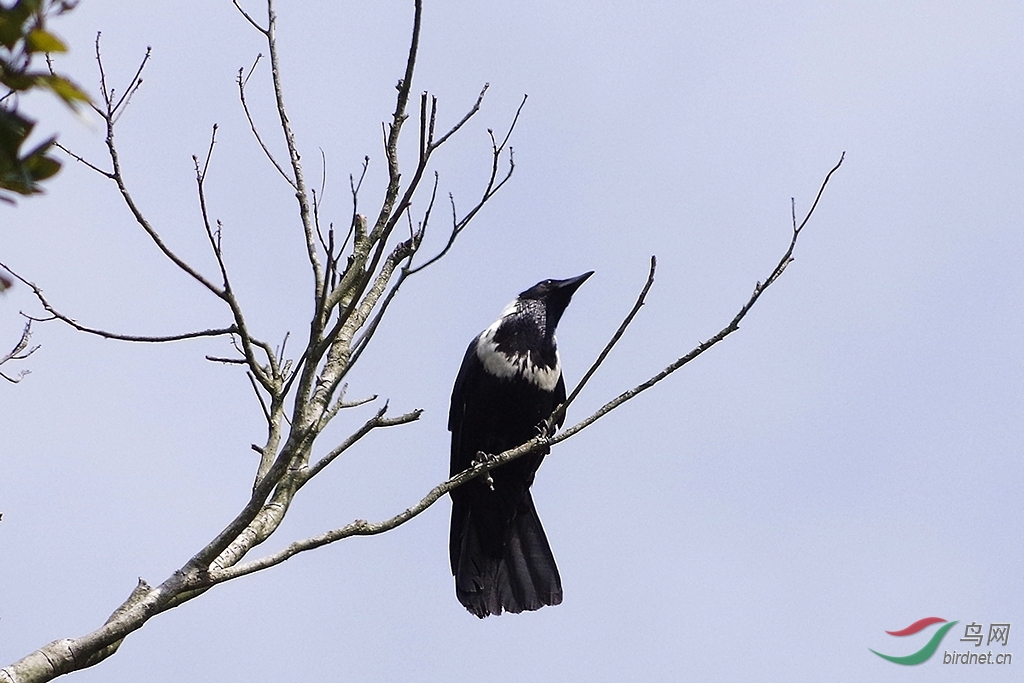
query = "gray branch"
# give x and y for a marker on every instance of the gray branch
(21, 351)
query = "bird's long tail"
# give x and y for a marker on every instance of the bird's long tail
(521, 576)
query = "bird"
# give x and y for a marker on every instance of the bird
(509, 384)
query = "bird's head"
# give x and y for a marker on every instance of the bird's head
(553, 295)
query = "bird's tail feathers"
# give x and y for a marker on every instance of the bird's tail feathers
(524, 578)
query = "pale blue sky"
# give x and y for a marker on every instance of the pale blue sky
(847, 463)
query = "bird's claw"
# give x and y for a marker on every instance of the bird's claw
(546, 429)
(480, 459)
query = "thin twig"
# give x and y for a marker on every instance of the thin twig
(21, 351)
(559, 413)
(341, 404)
(301, 193)
(375, 422)
(226, 361)
(355, 186)
(214, 237)
(248, 18)
(252, 124)
(472, 111)
(57, 315)
(135, 83)
(492, 187)
(259, 396)
(105, 174)
(733, 325)
(118, 177)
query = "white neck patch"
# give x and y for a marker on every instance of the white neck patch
(508, 366)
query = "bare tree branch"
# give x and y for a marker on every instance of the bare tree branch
(106, 174)
(375, 422)
(301, 193)
(733, 325)
(226, 361)
(249, 18)
(133, 86)
(21, 351)
(57, 315)
(492, 187)
(248, 115)
(559, 412)
(214, 236)
(109, 116)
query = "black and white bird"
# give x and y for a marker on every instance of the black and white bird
(509, 384)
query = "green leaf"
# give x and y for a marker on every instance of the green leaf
(17, 80)
(64, 89)
(39, 40)
(14, 129)
(21, 173)
(18, 180)
(41, 167)
(10, 31)
(12, 24)
(40, 149)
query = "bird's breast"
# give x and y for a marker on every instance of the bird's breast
(511, 365)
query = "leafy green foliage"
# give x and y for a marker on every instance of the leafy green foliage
(23, 36)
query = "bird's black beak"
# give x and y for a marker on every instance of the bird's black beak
(570, 285)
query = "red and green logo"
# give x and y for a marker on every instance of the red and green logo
(930, 647)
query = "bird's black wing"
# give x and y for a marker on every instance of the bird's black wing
(560, 397)
(468, 377)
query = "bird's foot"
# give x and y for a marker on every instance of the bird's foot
(546, 429)
(480, 459)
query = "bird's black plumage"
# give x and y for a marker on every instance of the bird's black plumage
(509, 383)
